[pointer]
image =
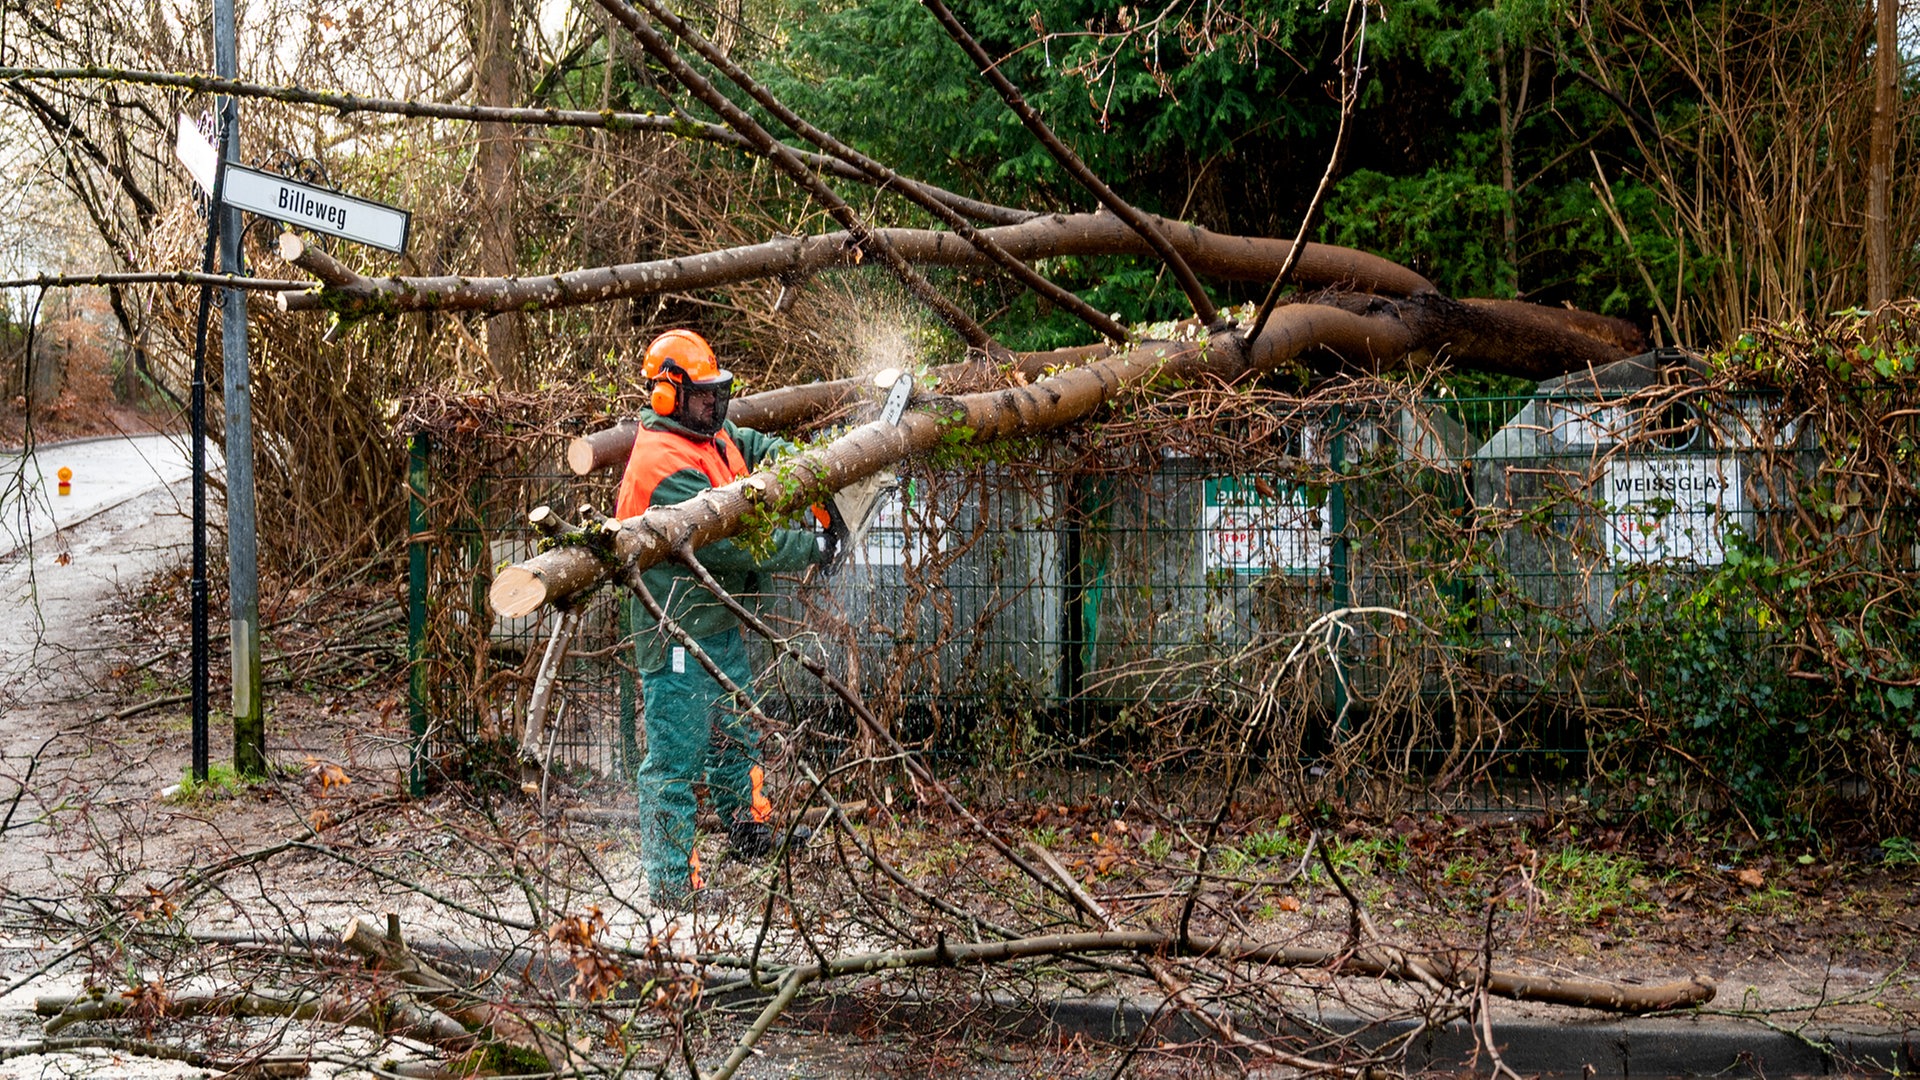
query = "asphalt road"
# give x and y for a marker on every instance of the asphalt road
(106, 473)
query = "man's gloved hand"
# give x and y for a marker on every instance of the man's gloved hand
(831, 541)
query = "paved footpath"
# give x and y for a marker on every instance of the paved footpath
(106, 472)
(68, 561)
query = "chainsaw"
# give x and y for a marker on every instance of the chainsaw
(849, 515)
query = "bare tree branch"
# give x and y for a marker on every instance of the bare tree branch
(157, 277)
(675, 124)
(888, 180)
(62, 126)
(1218, 254)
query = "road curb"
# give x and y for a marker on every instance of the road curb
(1582, 1044)
(164, 485)
(1576, 1047)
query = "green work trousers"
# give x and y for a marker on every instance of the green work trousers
(695, 733)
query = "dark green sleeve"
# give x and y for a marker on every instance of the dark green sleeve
(793, 549)
(758, 446)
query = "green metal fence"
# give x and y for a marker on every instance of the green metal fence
(1435, 587)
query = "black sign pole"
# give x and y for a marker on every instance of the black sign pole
(197, 586)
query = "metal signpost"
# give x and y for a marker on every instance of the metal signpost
(243, 562)
(232, 189)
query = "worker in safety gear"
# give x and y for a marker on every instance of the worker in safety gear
(694, 731)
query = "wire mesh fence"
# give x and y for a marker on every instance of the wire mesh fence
(1483, 601)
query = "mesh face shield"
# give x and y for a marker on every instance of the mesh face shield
(703, 405)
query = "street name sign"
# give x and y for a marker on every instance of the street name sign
(323, 210)
(362, 221)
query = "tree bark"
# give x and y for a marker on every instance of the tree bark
(1376, 336)
(1236, 258)
(474, 1012)
(496, 79)
(787, 407)
(398, 1018)
(1886, 51)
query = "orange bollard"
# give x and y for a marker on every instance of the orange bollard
(693, 866)
(66, 480)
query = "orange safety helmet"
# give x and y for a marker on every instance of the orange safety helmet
(680, 356)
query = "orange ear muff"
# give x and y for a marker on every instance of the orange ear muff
(664, 398)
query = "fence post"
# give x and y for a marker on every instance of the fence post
(1337, 568)
(629, 690)
(417, 450)
(1073, 627)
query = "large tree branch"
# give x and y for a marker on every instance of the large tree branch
(674, 124)
(1236, 258)
(1325, 337)
(786, 407)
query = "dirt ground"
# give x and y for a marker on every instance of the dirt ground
(94, 731)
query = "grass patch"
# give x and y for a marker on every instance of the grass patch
(222, 783)
(1771, 902)
(1899, 851)
(1275, 844)
(1158, 846)
(1586, 885)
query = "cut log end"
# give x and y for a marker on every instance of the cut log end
(517, 591)
(580, 456)
(291, 247)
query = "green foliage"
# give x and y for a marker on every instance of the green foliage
(1413, 219)
(1713, 662)
(222, 783)
(1222, 117)
(1279, 843)
(886, 77)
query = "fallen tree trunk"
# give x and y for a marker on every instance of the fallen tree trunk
(394, 1017)
(1456, 970)
(786, 407)
(1237, 258)
(1453, 971)
(1327, 338)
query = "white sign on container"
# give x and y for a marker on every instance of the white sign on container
(1664, 509)
(1255, 525)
